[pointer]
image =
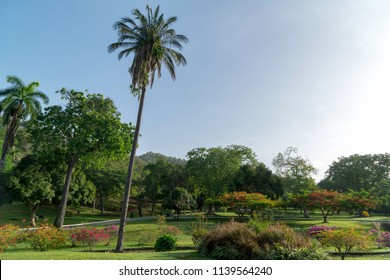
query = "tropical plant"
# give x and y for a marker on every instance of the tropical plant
(20, 102)
(153, 43)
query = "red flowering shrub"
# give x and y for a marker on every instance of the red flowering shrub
(88, 237)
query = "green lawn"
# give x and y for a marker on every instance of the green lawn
(142, 233)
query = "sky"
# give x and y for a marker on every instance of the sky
(263, 74)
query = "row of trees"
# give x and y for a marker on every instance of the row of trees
(80, 137)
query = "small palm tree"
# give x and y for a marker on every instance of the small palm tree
(20, 103)
(152, 41)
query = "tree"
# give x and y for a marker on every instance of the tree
(31, 184)
(212, 170)
(296, 172)
(108, 180)
(179, 199)
(259, 179)
(325, 201)
(20, 103)
(367, 173)
(153, 42)
(88, 128)
(243, 202)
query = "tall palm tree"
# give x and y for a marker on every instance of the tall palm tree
(152, 42)
(20, 103)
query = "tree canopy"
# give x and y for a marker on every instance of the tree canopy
(212, 170)
(87, 128)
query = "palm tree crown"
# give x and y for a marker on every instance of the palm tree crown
(20, 103)
(152, 41)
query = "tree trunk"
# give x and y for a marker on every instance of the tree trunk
(126, 195)
(32, 220)
(306, 213)
(9, 140)
(65, 192)
(153, 208)
(101, 205)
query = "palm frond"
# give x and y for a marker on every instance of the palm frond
(15, 81)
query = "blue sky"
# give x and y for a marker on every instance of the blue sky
(264, 74)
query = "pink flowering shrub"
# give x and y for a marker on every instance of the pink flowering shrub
(318, 231)
(384, 239)
(89, 237)
(112, 231)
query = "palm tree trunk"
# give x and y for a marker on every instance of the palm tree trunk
(65, 192)
(9, 140)
(126, 195)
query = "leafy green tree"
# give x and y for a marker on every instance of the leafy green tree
(87, 128)
(258, 179)
(296, 172)
(179, 199)
(31, 184)
(83, 191)
(367, 173)
(212, 170)
(20, 102)
(153, 43)
(108, 180)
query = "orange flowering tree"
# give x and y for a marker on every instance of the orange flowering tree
(242, 202)
(326, 201)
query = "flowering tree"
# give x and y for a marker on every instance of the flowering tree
(326, 201)
(243, 202)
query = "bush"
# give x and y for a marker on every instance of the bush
(9, 235)
(89, 237)
(230, 240)
(346, 240)
(165, 242)
(258, 224)
(385, 226)
(308, 253)
(46, 237)
(112, 231)
(280, 235)
(198, 230)
(318, 231)
(384, 239)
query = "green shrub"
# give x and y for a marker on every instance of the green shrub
(198, 230)
(281, 236)
(166, 242)
(46, 237)
(230, 240)
(346, 240)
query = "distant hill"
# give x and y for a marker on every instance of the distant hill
(151, 157)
